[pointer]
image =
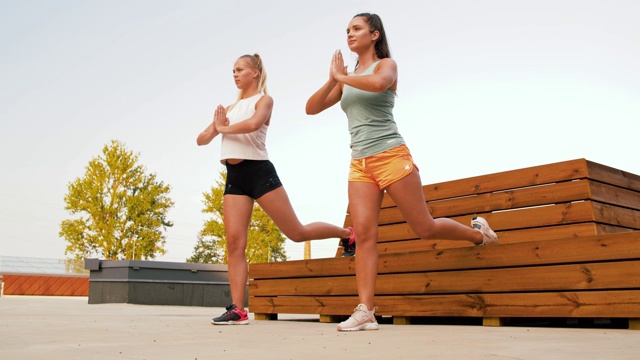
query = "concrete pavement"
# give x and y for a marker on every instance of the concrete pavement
(69, 328)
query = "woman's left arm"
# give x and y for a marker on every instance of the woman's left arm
(383, 77)
(260, 117)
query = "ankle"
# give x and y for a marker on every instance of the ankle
(478, 237)
(369, 306)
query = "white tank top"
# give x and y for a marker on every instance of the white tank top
(249, 146)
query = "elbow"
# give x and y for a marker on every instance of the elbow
(380, 87)
(201, 140)
(309, 110)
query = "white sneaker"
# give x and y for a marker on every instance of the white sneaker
(362, 319)
(488, 236)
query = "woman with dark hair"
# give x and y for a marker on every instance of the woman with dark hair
(252, 177)
(380, 160)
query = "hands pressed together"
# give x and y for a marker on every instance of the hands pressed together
(220, 119)
(338, 69)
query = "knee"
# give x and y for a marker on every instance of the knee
(426, 233)
(235, 247)
(235, 254)
(296, 235)
(364, 237)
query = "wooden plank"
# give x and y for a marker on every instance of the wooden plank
(512, 199)
(614, 195)
(399, 233)
(586, 276)
(493, 321)
(16, 284)
(303, 268)
(608, 229)
(585, 304)
(610, 303)
(338, 285)
(68, 287)
(72, 286)
(265, 317)
(50, 285)
(617, 216)
(610, 175)
(82, 289)
(559, 232)
(525, 218)
(31, 284)
(508, 180)
(401, 320)
(417, 245)
(621, 246)
(45, 285)
(9, 283)
(331, 318)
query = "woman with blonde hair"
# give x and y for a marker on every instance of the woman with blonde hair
(252, 177)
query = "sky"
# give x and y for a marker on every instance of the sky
(484, 87)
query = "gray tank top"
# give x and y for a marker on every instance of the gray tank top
(370, 116)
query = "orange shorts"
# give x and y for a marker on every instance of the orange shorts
(383, 169)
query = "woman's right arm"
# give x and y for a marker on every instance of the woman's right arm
(207, 134)
(327, 96)
(331, 92)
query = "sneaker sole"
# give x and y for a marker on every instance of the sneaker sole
(243, 322)
(368, 326)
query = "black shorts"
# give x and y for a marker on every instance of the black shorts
(252, 178)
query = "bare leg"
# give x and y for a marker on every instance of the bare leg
(408, 196)
(277, 205)
(364, 205)
(237, 214)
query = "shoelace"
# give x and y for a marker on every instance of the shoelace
(230, 311)
(360, 314)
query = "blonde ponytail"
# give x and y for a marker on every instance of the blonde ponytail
(262, 79)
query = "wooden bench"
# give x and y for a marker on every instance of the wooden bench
(569, 249)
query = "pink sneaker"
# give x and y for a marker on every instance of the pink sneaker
(233, 316)
(362, 319)
(349, 244)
